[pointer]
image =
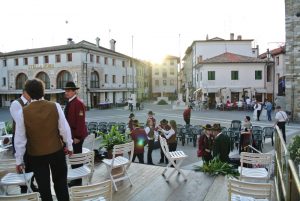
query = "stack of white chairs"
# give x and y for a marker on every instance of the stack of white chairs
(97, 192)
(120, 161)
(8, 168)
(241, 190)
(260, 169)
(173, 156)
(253, 184)
(86, 171)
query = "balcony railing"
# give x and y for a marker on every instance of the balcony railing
(287, 185)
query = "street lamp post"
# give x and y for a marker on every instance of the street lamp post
(269, 55)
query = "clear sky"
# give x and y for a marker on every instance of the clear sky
(158, 27)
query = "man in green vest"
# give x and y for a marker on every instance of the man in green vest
(41, 129)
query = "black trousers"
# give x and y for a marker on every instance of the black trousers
(187, 121)
(149, 153)
(41, 166)
(258, 114)
(77, 149)
(28, 168)
(281, 125)
(162, 156)
(139, 156)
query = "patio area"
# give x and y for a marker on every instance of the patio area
(149, 184)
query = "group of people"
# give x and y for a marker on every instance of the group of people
(44, 134)
(213, 143)
(149, 135)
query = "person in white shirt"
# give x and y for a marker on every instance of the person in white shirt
(151, 134)
(15, 108)
(170, 135)
(281, 118)
(258, 108)
(41, 129)
(248, 102)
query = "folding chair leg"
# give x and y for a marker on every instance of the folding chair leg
(165, 170)
(114, 183)
(126, 173)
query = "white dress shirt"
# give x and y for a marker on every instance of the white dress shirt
(147, 130)
(281, 116)
(168, 133)
(16, 107)
(21, 139)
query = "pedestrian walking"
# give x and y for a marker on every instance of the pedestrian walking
(257, 109)
(187, 114)
(281, 119)
(268, 107)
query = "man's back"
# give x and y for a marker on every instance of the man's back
(222, 147)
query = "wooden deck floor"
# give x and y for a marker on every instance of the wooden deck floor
(149, 184)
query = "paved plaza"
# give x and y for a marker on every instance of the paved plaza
(166, 112)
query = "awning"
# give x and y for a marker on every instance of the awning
(236, 89)
(54, 91)
(108, 90)
(47, 91)
(11, 91)
(260, 90)
(212, 90)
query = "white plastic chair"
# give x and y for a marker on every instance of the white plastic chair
(173, 156)
(96, 192)
(262, 166)
(8, 166)
(120, 162)
(85, 171)
(240, 190)
(88, 144)
(23, 197)
(4, 137)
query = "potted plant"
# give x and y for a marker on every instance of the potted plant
(294, 149)
(217, 167)
(112, 138)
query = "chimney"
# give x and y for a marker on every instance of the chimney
(199, 59)
(70, 41)
(239, 37)
(98, 42)
(112, 45)
(231, 36)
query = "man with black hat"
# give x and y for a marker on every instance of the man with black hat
(221, 146)
(205, 144)
(75, 115)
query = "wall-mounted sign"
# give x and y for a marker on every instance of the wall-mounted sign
(35, 66)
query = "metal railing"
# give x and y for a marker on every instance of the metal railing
(287, 185)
